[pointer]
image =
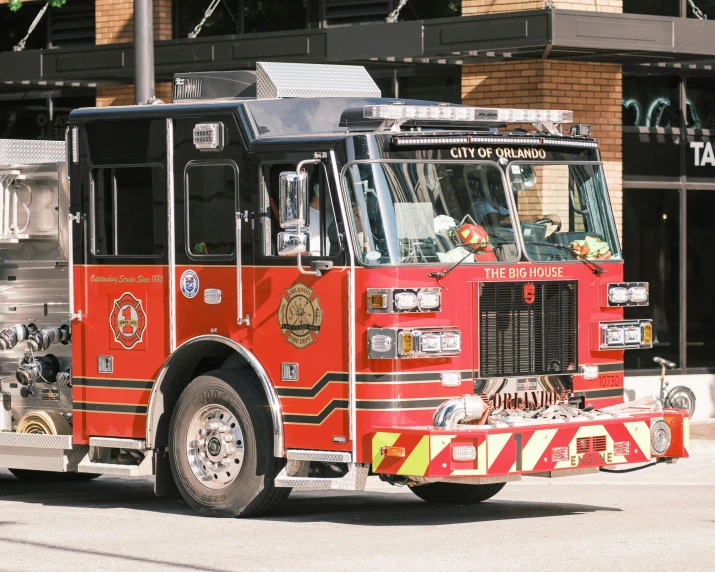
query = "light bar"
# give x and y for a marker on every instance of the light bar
(405, 140)
(465, 113)
(391, 343)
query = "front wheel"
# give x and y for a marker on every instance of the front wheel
(681, 397)
(452, 493)
(221, 446)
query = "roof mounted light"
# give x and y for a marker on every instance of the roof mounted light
(465, 113)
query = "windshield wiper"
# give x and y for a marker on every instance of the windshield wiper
(597, 269)
(472, 250)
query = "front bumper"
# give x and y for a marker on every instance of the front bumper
(537, 448)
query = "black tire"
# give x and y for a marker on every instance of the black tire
(681, 397)
(451, 493)
(251, 492)
(51, 476)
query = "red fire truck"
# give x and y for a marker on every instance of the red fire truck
(282, 280)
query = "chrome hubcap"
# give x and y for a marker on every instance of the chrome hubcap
(214, 446)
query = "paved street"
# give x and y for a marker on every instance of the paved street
(657, 519)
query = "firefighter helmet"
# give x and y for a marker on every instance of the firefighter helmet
(474, 235)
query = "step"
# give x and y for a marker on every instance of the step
(353, 480)
(144, 469)
(320, 456)
(118, 443)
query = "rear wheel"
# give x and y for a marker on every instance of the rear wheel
(451, 493)
(221, 446)
(681, 397)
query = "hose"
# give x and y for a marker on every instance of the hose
(44, 422)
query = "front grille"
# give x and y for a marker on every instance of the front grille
(516, 338)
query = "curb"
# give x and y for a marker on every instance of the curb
(702, 447)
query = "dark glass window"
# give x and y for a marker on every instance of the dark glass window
(651, 102)
(707, 7)
(651, 250)
(211, 213)
(445, 87)
(129, 211)
(700, 101)
(701, 276)
(426, 9)
(652, 7)
(240, 17)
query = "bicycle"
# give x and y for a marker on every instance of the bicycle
(679, 397)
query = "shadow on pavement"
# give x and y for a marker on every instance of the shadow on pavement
(389, 509)
(370, 508)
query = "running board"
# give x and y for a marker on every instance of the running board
(118, 443)
(353, 480)
(143, 469)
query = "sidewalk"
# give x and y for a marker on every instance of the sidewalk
(702, 437)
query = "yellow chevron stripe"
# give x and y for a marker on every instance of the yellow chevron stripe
(418, 461)
(495, 445)
(380, 440)
(535, 448)
(686, 434)
(640, 431)
(439, 443)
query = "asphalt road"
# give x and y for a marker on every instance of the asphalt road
(662, 518)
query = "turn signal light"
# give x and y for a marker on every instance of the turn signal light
(398, 452)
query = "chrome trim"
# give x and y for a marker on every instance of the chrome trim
(453, 411)
(271, 395)
(321, 456)
(239, 260)
(171, 227)
(352, 348)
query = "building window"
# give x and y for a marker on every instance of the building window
(651, 127)
(211, 209)
(700, 271)
(652, 7)
(129, 210)
(651, 249)
(240, 17)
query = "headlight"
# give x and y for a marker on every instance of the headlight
(464, 453)
(625, 334)
(589, 371)
(429, 298)
(618, 295)
(430, 343)
(405, 300)
(638, 294)
(451, 342)
(413, 343)
(624, 294)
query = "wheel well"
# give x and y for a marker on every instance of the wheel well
(188, 362)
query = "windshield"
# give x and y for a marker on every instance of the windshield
(563, 211)
(414, 213)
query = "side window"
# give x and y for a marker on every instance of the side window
(129, 211)
(322, 226)
(211, 209)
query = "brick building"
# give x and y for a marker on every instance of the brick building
(639, 72)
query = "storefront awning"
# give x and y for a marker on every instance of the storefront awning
(538, 34)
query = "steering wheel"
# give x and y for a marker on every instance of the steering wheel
(552, 219)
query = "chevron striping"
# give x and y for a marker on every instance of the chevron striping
(418, 460)
(640, 432)
(534, 449)
(380, 440)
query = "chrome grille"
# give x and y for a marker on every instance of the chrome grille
(517, 338)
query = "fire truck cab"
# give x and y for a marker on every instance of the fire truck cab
(282, 280)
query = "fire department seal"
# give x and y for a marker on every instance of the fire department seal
(189, 283)
(300, 315)
(128, 320)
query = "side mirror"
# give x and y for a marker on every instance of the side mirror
(293, 199)
(293, 242)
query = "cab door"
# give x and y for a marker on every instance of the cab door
(207, 221)
(120, 334)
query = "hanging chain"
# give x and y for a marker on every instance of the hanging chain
(392, 16)
(209, 11)
(21, 44)
(699, 14)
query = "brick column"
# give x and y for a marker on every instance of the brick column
(114, 21)
(591, 90)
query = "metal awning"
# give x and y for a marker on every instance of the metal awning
(552, 34)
